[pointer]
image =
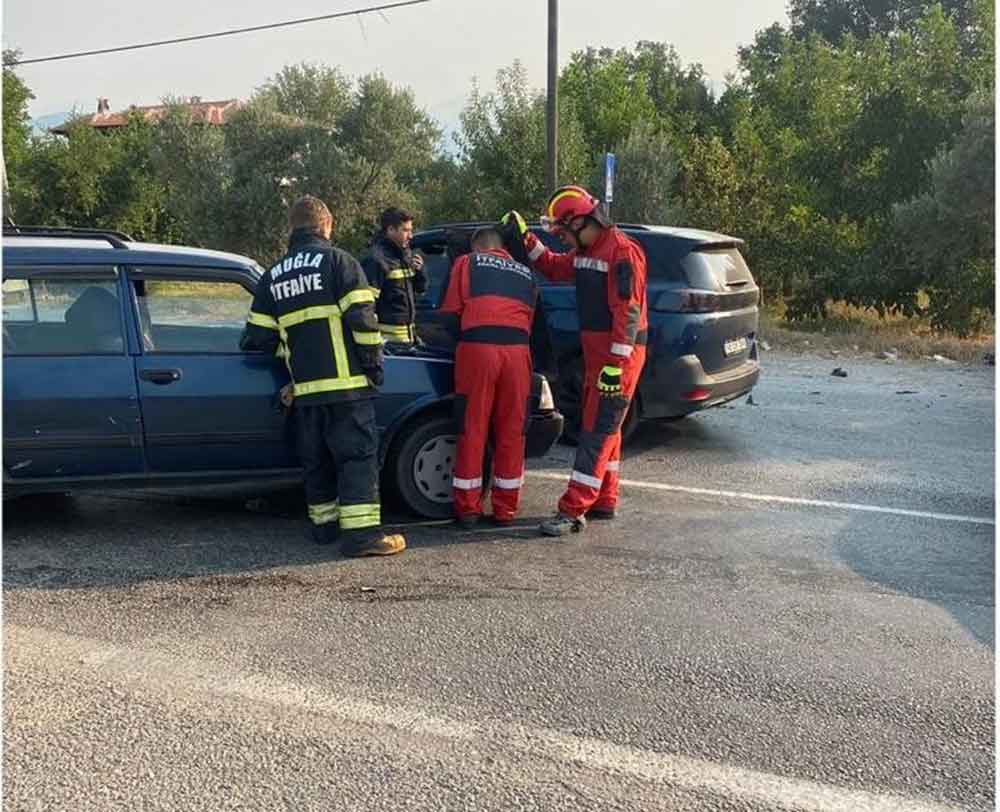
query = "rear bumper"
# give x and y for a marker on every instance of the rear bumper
(663, 393)
(544, 429)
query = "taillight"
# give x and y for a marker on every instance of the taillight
(689, 301)
(693, 300)
(697, 394)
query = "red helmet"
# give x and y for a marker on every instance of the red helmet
(568, 203)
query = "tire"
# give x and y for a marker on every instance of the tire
(569, 401)
(421, 464)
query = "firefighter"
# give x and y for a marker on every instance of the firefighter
(491, 300)
(397, 275)
(314, 307)
(609, 270)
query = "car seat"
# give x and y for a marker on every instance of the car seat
(94, 320)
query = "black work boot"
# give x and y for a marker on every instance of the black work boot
(562, 525)
(602, 514)
(372, 543)
(328, 533)
(468, 521)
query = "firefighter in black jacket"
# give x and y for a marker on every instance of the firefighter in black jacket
(314, 306)
(397, 275)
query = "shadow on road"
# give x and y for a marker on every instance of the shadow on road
(122, 538)
(953, 569)
(687, 434)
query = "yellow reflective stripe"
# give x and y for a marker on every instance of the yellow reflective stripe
(308, 314)
(376, 292)
(331, 385)
(558, 197)
(403, 331)
(262, 320)
(400, 273)
(339, 348)
(355, 517)
(324, 513)
(359, 524)
(348, 511)
(366, 338)
(359, 296)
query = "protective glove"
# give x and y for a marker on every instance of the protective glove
(518, 220)
(609, 382)
(287, 395)
(376, 375)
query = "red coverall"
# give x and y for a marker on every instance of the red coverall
(494, 297)
(610, 280)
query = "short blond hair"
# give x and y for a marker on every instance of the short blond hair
(310, 212)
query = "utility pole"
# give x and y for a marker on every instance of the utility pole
(552, 105)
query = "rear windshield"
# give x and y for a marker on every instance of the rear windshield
(717, 269)
(662, 258)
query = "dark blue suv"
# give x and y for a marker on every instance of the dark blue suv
(703, 320)
(122, 368)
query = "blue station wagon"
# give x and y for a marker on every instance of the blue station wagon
(122, 368)
(703, 320)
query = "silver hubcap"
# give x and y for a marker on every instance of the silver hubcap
(432, 467)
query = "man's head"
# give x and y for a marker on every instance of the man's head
(311, 213)
(575, 215)
(487, 238)
(397, 225)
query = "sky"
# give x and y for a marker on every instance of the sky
(436, 48)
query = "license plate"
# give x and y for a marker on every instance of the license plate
(735, 346)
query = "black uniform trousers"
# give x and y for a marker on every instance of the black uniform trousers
(338, 449)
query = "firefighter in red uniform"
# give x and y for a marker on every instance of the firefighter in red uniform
(610, 274)
(491, 299)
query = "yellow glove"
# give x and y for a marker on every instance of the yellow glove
(522, 227)
(609, 383)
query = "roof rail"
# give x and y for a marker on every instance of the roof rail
(118, 239)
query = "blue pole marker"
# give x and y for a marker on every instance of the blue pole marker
(609, 177)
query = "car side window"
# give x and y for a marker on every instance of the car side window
(62, 316)
(185, 315)
(437, 266)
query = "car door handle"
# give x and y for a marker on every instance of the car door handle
(160, 376)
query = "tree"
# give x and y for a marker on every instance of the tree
(835, 20)
(607, 96)
(949, 232)
(611, 91)
(93, 179)
(647, 178)
(502, 147)
(192, 159)
(16, 121)
(308, 92)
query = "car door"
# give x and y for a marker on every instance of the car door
(70, 404)
(206, 404)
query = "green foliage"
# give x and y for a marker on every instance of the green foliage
(646, 185)
(949, 232)
(502, 147)
(16, 122)
(610, 91)
(92, 180)
(315, 93)
(836, 20)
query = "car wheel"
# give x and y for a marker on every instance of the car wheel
(421, 466)
(569, 401)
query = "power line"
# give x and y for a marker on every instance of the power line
(228, 33)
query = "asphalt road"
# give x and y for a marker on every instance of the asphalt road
(795, 611)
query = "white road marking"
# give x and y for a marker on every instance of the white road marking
(785, 500)
(174, 675)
